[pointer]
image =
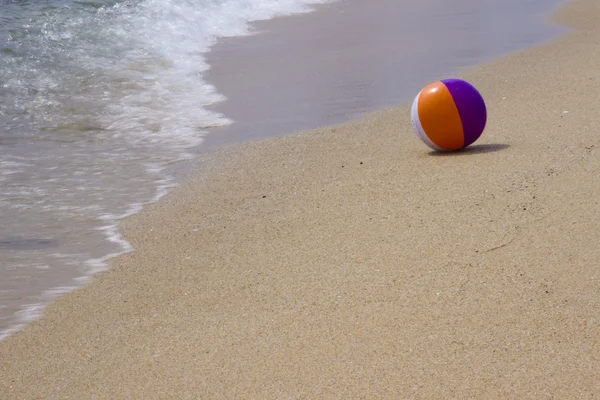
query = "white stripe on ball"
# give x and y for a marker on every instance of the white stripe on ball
(416, 123)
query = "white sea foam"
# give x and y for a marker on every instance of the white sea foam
(95, 103)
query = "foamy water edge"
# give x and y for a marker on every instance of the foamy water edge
(32, 311)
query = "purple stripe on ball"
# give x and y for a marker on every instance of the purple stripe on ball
(471, 108)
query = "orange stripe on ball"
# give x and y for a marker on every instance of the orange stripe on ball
(440, 118)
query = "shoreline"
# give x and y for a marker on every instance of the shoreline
(268, 33)
(394, 278)
(348, 65)
(97, 237)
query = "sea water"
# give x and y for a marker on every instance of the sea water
(97, 98)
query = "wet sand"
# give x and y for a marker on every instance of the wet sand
(351, 262)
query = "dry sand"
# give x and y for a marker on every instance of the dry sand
(351, 262)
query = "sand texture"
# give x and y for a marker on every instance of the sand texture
(352, 263)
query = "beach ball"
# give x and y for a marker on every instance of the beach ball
(449, 114)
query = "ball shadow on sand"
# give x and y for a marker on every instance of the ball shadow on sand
(474, 149)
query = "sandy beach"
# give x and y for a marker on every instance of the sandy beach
(351, 262)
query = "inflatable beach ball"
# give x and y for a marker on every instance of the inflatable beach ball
(449, 115)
